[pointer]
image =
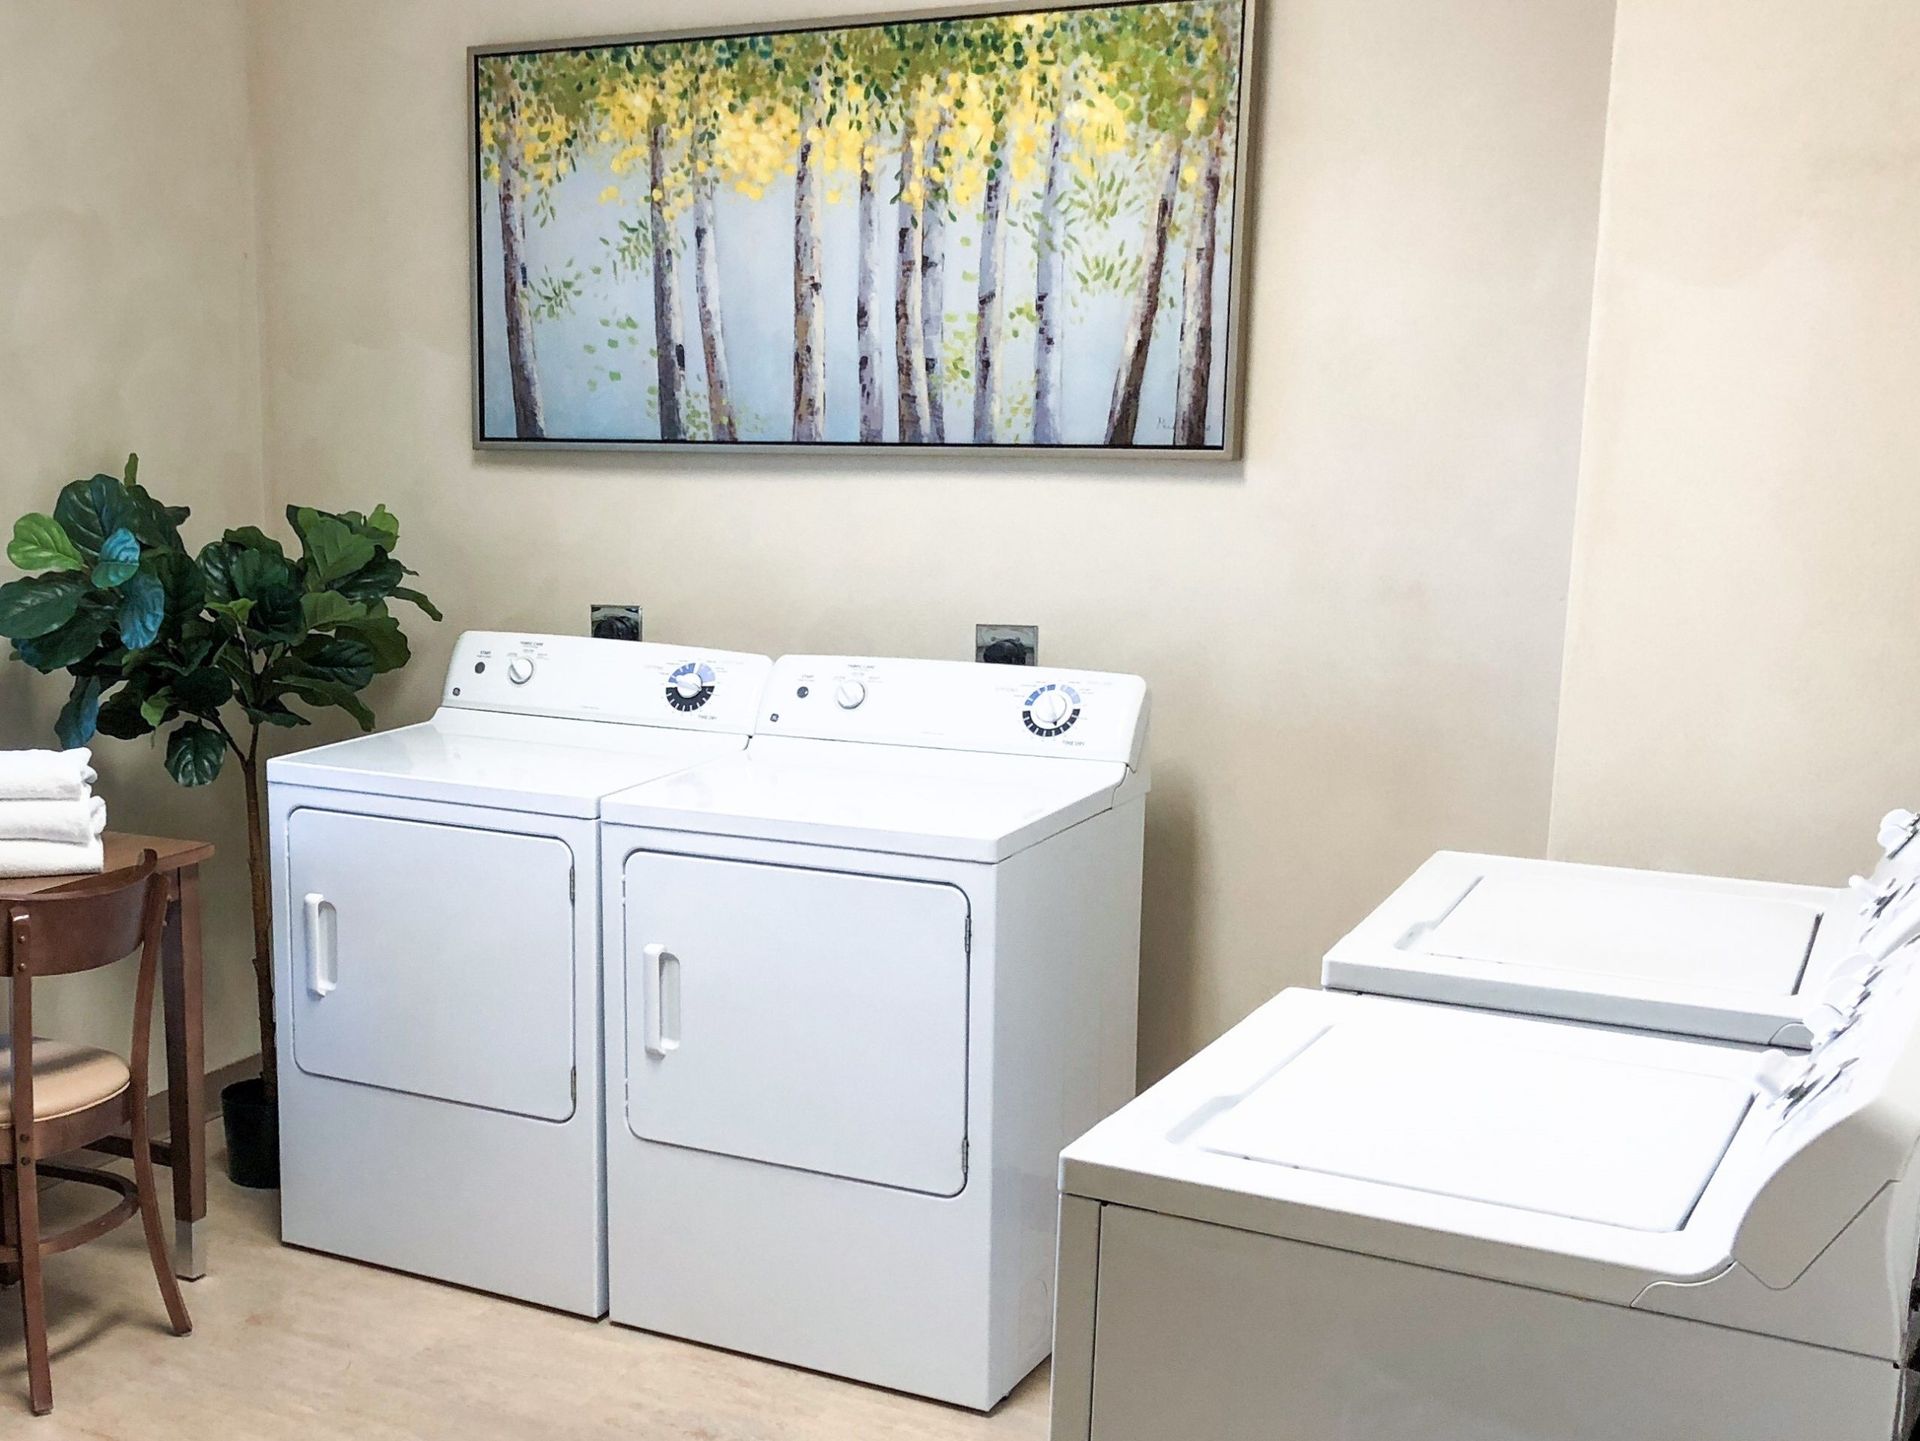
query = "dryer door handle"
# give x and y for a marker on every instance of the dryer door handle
(660, 977)
(323, 961)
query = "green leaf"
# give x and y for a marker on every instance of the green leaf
(276, 616)
(400, 592)
(72, 642)
(385, 639)
(344, 660)
(41, 543)
(251, 537)
(77, 719)
(194, 753)
(179, 578)
(276, 713)
(121, 717)
(382, 528)
(329, 607)
(130, 475)
(39, 605)
(143, 605)
(203, 691)
(333, 551)
(255, 572)
(373, 582)
(119, 559)
(157, 708)
(93, 509)
(216, 569)
(236, 611)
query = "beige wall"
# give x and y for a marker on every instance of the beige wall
(129, 321)
(1742, 666)
(1353, 637)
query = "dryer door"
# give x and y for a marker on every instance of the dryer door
(804, 1018)
(433, 959)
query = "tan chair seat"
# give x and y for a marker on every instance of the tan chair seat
(66, 1078)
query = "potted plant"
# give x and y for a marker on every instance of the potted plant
(210, 647)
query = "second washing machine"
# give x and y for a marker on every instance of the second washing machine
(864, 980)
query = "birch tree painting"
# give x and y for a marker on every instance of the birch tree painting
(1011, 230)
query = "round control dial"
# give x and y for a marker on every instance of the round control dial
(1051, 710)
(519, 669)
(849, 694)
(690, 687)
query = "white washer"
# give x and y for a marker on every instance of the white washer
(1735, 960)
(1356, 1217)
(437, 947)
(863, 982)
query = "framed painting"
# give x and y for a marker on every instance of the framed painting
(1010, 229)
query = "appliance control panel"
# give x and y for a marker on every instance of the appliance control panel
(958, 705)
(627, 682)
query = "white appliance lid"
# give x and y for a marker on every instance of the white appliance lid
(1574, 921)
(902, 801)
(508, 762)
(1582, 1136)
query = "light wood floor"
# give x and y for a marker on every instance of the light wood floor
(292, 1345)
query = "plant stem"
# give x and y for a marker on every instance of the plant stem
(262, 914)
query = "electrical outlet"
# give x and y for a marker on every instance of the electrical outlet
(1007, 644)
(614, 622)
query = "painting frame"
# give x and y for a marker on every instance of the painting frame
(1238, 233)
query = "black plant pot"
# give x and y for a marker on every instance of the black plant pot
(253, 1135)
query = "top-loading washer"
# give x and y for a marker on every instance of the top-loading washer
(863, 981)
(437, 943)
(1357, 1217)
(1737, 960)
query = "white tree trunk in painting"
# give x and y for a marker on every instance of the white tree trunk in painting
(529, 413)
(1123, 418)
(713, 339)
(669, 340)
(809, 332)
(1048, 275)
(873, 415)
(1195, 385)
(909, 362)
(933, 301)
(993, 261)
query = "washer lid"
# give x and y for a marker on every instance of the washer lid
(1589, 1137)
(507, 762)
(1697, 955)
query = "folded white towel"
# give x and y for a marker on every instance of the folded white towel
(52, 858)
(75, 822)
(46, 775)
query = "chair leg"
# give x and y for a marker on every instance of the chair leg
(33, 1301)
(9, 1271)
(149, 1198)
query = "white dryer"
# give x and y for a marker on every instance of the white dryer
(1737, 960)
(863, 982)
(1356, 1217)
(437, 956)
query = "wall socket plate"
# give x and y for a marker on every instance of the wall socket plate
(614, 622)
(1007, 644)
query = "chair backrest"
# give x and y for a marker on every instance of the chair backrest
(86, 924)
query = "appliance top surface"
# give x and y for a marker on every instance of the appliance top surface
(1708, 955)
(1571, 1157)
(955, 804)
(574, 721)
(958, 705)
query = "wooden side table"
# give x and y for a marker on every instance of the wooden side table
(182, 981)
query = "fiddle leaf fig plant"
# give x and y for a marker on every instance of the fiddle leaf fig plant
(209, 647)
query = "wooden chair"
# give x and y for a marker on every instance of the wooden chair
(56, 1098)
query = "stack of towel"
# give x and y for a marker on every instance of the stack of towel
(50, 819)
